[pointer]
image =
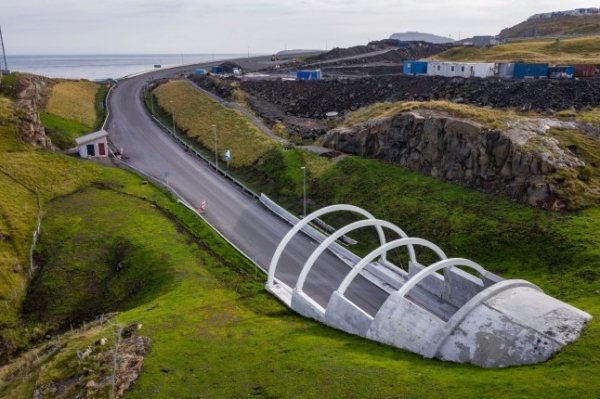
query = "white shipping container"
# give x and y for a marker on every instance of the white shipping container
(483, 70)
(434, 68)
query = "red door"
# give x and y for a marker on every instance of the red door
(101, 150)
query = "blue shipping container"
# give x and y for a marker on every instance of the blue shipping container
(414, 67)
(200, 71)
(535, 71)
(217, 69)
(309, 75)
(561, 72)
(404, 44)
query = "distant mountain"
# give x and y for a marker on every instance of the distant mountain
(424, 37)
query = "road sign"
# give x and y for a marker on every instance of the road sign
(227, 155)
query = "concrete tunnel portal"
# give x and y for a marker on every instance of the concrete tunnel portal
(480, 319)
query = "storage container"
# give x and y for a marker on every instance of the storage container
(561, 72)
(414, 67)
(584, 70)
(530, 71)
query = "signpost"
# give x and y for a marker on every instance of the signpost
(227, 157)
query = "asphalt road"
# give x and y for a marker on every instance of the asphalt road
(247, 224)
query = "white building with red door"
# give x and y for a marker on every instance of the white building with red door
(93, 145)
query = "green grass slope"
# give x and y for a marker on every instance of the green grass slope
(28, 178)
(216, 333)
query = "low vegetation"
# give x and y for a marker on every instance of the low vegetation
(489, 118)
(215, 332)
(584, 50)
(74, 101)
(563, 25)
(25, 176)
(74, 108)
(208, 123)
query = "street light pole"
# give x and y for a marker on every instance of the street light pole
(173, 113)
(216, 152)
(304, 187)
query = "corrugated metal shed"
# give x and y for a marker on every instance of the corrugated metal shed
(482, 41)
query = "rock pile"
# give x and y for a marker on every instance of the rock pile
(315, 98)
(417, 51)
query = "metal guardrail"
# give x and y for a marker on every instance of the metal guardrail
(190, 149)
(275, 208)
(184, 202)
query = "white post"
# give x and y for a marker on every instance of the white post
(304, 188)
(173, 113)
(216, 153)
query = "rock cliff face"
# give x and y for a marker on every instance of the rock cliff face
(29, 97)
(515, 163)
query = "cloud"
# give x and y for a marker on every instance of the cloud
(193, 26)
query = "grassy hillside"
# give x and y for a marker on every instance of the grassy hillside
(567, 25)
(216, 333)
(585, 50)
(72, 110)
(25, 174)
(195, 116)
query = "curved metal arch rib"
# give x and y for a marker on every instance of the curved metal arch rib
(353, 226)
(288, 237)
(442, 264)
(384, 248)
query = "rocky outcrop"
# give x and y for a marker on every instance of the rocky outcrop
(28, 99)
(515, 163)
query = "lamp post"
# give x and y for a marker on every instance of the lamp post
(216, 153)
(304, 187)
(173, 113)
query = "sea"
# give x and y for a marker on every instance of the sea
(100, 67)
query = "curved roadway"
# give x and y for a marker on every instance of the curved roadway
(241, 219)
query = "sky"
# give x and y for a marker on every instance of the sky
(41, 27)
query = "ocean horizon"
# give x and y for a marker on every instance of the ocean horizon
(103, 66)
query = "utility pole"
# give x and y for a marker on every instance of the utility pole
(5, 68)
